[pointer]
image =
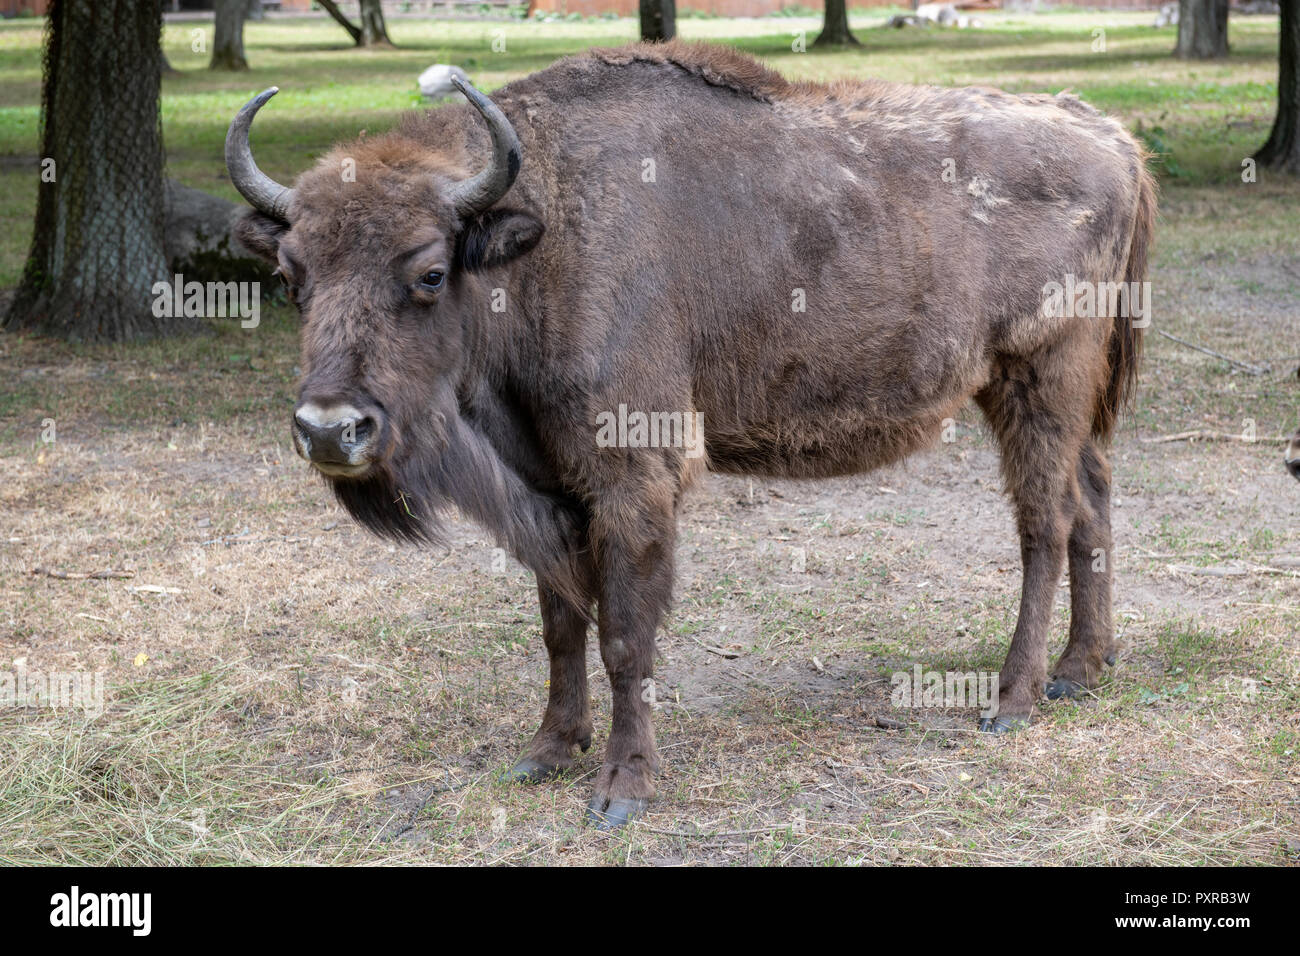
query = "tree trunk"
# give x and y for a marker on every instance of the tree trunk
(372, 32)
(228, 35)
(1282, 150)
(835, 27)
(1202, 29)
(658, 20)
(98, 247)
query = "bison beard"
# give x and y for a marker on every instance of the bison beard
(465, 473)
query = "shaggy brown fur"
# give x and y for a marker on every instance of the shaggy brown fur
(825, 274)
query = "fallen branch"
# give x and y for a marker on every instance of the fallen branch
(153, 589)
(1202, 434)
(83, 575)
(1245, 366)
(720, 651)
(1226, 571)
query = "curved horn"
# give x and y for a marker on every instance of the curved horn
(481, 190)
(262, 192)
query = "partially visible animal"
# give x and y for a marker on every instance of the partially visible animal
(1293, 455)
(825, 274)
(436, 81)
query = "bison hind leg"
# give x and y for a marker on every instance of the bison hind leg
(1091, 557)
(1033, 409)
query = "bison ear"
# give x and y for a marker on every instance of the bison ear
(496, 237)
(260, 234)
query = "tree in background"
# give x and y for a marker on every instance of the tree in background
(1202, 29)
(835, 26)
(228, 34)
(658, 19)
(372, 32)
(1282, 150)
(98, 247)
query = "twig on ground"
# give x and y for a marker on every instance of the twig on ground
(1204, 434)
(1222, 571)
(83, 575)
(720, 651)
(1244, 366)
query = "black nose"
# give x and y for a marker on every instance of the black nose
(338, 435)
(1293, 466)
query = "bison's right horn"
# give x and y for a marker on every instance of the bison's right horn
(480, 191)
(262, 192)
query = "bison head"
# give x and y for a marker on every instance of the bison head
(378, 246)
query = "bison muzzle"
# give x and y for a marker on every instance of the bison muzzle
(497, 297)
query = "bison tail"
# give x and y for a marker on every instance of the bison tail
(1126, 338)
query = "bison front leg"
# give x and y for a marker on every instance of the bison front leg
(567, 721)
(633, 542)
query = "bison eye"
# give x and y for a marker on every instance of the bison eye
(290, 289)
(432, 280)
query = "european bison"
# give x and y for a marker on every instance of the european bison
(820, 274)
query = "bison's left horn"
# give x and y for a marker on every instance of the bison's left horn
(480, 191)
(262, 192)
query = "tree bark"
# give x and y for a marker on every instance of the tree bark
(1202, 29)
(372, 32)
(835, 26)
(228, 35)
(1282, 149)
(97, 250)
(658, 20)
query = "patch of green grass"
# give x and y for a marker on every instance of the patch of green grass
(1197, 658)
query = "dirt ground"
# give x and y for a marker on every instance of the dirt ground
(283, 688)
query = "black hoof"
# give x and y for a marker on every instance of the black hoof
(1003, 725)
(1059, 687)
(529, 770)
(608, 814)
